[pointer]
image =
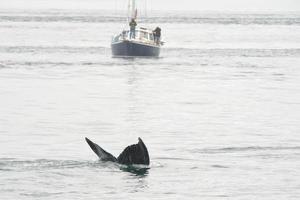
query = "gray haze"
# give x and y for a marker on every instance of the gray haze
(219, 110)
(231, 5)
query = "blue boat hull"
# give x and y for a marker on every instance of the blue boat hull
(130, 48)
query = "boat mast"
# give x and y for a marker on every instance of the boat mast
(128, 11)
(132, 11)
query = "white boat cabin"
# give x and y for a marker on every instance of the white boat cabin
(142, 35)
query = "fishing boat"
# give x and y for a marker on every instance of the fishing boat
(143, 42)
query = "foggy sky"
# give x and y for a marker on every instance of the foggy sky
(218, 5)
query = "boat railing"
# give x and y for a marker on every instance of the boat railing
(140, 35)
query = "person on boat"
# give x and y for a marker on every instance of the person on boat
(132, 26)
(156, 34)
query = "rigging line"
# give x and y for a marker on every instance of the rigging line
(146, 9)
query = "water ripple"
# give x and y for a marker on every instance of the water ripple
(243, 149)
(44, 164)
(175, 17)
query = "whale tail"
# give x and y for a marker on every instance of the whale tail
(101, 153)
(133, 154)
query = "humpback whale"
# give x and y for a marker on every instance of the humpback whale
(133, 154)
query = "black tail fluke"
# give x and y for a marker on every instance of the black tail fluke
(101, 153)
(135, 154)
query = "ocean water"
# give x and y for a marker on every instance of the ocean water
(219, 110)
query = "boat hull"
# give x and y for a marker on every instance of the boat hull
(131, 48)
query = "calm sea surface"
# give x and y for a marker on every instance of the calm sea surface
(219, 110)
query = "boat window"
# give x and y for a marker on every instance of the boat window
(137, 34)
(144, 35)
(151, 37)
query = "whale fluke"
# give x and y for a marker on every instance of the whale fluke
(101, 153)
(133, 154)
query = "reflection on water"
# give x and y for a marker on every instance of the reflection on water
(137, 170)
